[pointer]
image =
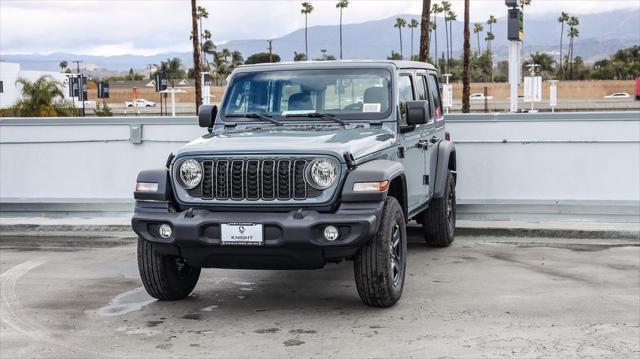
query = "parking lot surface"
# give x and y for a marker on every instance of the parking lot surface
(482, 297)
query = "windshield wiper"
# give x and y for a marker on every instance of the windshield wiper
(324, 116)
(259, 116)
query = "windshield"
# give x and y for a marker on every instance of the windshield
(347, 93)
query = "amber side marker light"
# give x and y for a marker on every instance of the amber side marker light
(371, 186)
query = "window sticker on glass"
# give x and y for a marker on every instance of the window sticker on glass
(371, 107)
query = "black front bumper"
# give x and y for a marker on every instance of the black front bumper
(292, 240)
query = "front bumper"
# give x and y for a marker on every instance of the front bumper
(292, 240)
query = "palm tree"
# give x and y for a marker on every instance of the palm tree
(433, 28)
(412, 25)
(446, 8)
(324, 54)
(196, 53)
(477, 29)
(63, 65)
(41, 98)
(173, 68)
(342, 4)
(490, 37)
(492, 20)
(452, 17)
(573, 33)
(425, 31)
(436, 9)
(466, 75)
(564, 17)
(307, 8)
(201, 13)
(400, 23)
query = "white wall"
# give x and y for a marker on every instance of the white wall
(10, 72)
(559, 159)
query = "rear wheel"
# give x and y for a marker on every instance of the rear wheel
(165, 277)
(380, 265)
(439, 220)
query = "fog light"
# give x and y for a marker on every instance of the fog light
(165, 231)
(331, 233)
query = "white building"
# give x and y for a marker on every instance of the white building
(11, 72)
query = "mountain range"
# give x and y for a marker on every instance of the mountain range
(600, 36)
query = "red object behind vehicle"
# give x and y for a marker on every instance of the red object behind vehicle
(638, 89)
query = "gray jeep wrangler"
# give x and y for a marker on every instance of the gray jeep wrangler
(304, 163)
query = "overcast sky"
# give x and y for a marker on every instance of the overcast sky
(146, 27)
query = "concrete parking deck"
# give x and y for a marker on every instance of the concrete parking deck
(483, 297)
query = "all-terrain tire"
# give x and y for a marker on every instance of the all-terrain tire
(439, 220)
(165, 277)
(380, 265)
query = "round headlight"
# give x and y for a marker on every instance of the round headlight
(190, 174)
(322, 173)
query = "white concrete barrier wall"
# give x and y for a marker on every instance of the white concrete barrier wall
(550, 163)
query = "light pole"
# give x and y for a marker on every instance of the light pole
(515, 34)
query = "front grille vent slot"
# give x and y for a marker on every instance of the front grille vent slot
(255, 179)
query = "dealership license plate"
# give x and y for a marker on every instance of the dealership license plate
(242, 234)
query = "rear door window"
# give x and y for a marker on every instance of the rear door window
(436, 100)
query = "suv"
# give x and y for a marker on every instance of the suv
(303, 164)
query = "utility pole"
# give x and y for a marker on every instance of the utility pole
(77, 65)
(270, 48)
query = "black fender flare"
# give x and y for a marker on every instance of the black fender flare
(446, 150)
(372, 171)
(159, 176)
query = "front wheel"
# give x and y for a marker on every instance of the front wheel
(165, 277)
(380, 265)
(439, 220)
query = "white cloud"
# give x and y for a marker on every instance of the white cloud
(113, 27)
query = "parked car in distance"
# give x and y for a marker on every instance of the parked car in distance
(293, 172)
(479, 96)
(140, 103)
(618, 95)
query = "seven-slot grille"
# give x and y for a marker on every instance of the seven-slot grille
(254, 179)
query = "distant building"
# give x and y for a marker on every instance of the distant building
(11, 72)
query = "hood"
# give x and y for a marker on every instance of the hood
(359, 141)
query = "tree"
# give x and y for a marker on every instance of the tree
(394, 56)
(202, 14)
(490, 37)
(342, 4)
(400, 23)
(446, 8)
(324, 52)
(573, 33)
(260, 58)
(196, 53)
(41, 98)
(63, 65)
(477, 29)
(451, 15)
(466, 85)
(412, 25)
(425, 31)
(173, 68)
(307, 8)
(564, 17)
(436, 9)
(299, 56)
(546, 63)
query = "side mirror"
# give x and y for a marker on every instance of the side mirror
(417, 112)
(207, 115)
